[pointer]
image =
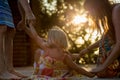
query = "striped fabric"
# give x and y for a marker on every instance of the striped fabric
(5, 14)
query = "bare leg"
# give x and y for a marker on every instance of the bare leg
(9, 36)
(2, 62)
(4, 74)
(9, 48)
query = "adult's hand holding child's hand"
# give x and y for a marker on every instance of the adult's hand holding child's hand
(97, 69)
(27, 21)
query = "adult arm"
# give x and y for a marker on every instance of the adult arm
(74, 56)
(86, 50)
(115, 53)
(27, 10)
(116, 49)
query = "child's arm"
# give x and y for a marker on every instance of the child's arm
(33, 34)
(76, 67)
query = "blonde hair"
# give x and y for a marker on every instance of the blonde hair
(58, 36)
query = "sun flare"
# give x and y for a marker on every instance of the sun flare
(79, 19)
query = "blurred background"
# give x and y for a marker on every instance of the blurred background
(70, 16)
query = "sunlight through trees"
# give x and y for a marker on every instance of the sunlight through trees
(71, 17)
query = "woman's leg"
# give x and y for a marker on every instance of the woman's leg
(4, 74)
(2, 62)
(9, 36)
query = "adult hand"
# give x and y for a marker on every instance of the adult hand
(99, 68)
(26, 21)
(103, 72)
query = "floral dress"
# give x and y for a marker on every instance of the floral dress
(105, 48)
(53, 69)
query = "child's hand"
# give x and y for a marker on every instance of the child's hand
(30, 22)
(30, 18)
(23, 23)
